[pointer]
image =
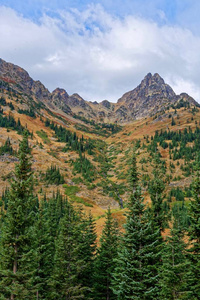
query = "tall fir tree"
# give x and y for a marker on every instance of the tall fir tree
(136, 274)
(65, 282)
(173, 278)
(104, 262)
(87, 251)
(17, 256)
(156, 188)
(45, 250)
(194, 235)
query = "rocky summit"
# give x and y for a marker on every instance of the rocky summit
(151, 96)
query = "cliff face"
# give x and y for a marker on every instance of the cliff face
(149, 97)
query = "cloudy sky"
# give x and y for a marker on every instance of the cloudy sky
(102, 49)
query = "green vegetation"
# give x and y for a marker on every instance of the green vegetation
(105, 260)
(53, 176)
(137, 263)
(48, 248)
(70, 138)
(83, 166)
(7, 148)
(43, 135)
(3, 101)
(71, 190)
(103, 129)
(177, 193)
(29, 112)
(9, 122)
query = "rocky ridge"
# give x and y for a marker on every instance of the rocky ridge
(152, 95)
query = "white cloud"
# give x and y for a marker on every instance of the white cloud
(97, 55)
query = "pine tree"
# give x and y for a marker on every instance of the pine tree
(136, 274)
(104, 263)
(175, 264)
(194, 234)
(17, 263)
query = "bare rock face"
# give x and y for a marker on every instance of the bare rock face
(148, 97)
(20, 81)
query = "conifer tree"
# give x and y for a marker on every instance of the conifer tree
(45, 249)
(175, 264)
(194, 234)
(87, 251)
(67, 263)
(17, 263)
(156, 189)
(136, 274)
(104, 263)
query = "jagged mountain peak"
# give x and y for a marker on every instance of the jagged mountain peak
(149, 79)
(149, 97)
(151, 87)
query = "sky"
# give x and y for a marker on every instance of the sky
(102, 49)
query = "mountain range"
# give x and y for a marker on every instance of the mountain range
(151, 96)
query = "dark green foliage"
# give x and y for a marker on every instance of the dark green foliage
(177, 193)
(67, 265)
(194, 234)
(45, 250)
(156, 189)
(111, 188)
(105, 260)
(11, 106)
(173, 122)
(9, 122)
(188, 191)
(16, 251)
(4, 199)
(178, 145)
(136, 273)
(133, 176)
(103, 129)
(87, 251)
(74, 248)
(175, 265)
(3, 101)
(7, 148)
(180, 212)
(53, 176)
(182, 103)
(85, 167)
(70, 138)
(29, 112)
